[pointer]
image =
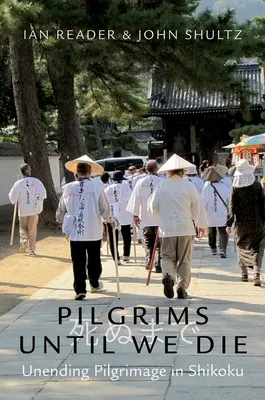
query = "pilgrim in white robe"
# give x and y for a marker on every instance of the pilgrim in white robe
(84, 203)
(198, 182)
(177, 205)
(29, 194)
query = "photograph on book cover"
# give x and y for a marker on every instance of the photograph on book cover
(132, 205)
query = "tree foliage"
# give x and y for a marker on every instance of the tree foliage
(249, 130)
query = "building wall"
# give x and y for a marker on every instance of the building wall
(9, 171)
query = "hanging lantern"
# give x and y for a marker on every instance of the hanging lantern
(256, 160)
(235, 158)
(246, 154)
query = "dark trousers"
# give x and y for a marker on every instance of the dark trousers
(80, 253)
(223, 237)
(126, 236)
(149, 235)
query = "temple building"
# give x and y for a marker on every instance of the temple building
(197, 126)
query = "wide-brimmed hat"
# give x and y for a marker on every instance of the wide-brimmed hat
(118, 176)
(222, 169)
(174, 163)
(212, 175)
(244, 168)
(96, 169)
(191, 171)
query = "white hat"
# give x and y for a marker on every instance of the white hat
(96, 169)
(191, 171)
(175, 162)
(244, 168)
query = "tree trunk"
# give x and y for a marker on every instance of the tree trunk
(71, 142)
(32, 138)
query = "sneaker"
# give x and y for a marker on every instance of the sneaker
(222, 254)
(168, 283)
(140, 241)
(214, 252)
(80, 296)
(126, 259)
(256, 280)
(182, 294)
(119, 262)
(244, 278)
(98, 289)
(31, 253)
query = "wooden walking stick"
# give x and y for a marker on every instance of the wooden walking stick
(14, 222)
(152, 259)
(107, 235)
(13, 225)
(116, 261)
(134, 242)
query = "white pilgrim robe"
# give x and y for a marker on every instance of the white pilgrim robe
(198, 182)
(137, 178)
(29, 193)
(131, 178)
(118, 195)
(138, 202)
(86, 201)
(216, 210)
(177, 204)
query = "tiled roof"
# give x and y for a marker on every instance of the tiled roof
(140, 136)
(169, 99)
(14, 150)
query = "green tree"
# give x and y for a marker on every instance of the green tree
(249, 130)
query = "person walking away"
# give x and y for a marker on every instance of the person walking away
(142, 174)
(29, 193)
(118, 195)
(247, 211)
(223, 170)
(105, 178)
(81, 208)
(138, 176)
(132, 174)
(137, 206)
(192, 176)
(204, 168)
(215, 197)
(177, 204)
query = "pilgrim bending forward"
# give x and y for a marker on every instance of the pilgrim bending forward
(29, 193)
(83, 204)
(176, 202)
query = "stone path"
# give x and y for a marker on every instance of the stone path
(233, 309)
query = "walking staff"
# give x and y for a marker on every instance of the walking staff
(116, 262)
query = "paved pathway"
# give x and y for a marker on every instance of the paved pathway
(233, 309)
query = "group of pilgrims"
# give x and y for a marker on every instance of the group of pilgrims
(173, 202)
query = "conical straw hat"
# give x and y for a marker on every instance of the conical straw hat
(96, 169)
(175, 162)
(213, 175)
(222, 169)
